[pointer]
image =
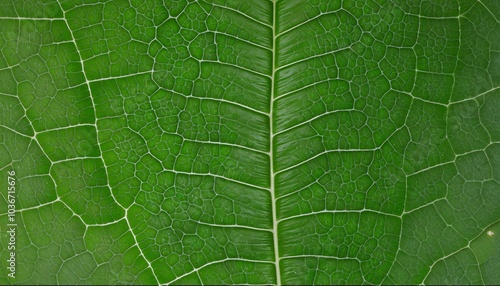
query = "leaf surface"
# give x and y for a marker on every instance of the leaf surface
(256, 142)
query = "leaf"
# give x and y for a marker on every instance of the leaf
(251, 142)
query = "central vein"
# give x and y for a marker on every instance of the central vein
(271, 155)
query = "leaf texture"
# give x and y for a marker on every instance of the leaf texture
(252, 142)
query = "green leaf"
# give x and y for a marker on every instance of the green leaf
(250, 142)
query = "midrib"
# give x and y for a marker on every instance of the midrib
(271, 155)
